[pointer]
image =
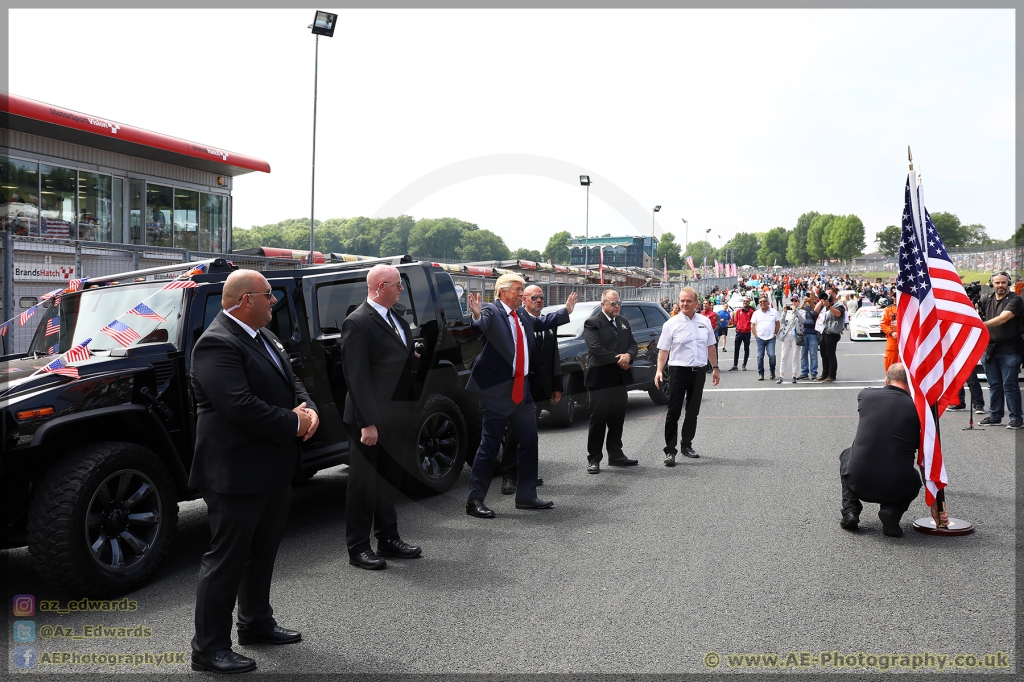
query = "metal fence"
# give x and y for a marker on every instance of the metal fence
(33, 266)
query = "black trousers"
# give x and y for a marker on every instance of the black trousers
(374, 477)
(499, 415)
(508, 467)
(686, 388)
(607, 414)
(829, 364)
(246, 531)
(741, 338)
(977, 397)
(852, 503)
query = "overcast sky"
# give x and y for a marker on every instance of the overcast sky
(737, 120)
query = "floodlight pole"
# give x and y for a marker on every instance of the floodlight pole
(312, 193)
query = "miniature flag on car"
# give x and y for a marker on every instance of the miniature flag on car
(4, 327)
(76, 284)
(78, 353)
(24, 317)
(58, 367)
(197, 270)
(143, 310)
(53, 325)
(121, 333)
(181, 284)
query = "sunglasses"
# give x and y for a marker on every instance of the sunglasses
(536, 298)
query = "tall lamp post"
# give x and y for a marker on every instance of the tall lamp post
(323, 25)
(653, 254)
(585, 181)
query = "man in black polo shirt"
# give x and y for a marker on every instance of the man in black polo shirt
(880, 467)
(1003, 312)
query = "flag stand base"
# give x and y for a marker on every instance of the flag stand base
(956, 527)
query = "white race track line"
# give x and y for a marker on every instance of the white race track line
(783, 387)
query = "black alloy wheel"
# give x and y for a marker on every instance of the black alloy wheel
(440, 446)
(123, 520)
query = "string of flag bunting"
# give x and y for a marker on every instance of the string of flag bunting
(116, 329)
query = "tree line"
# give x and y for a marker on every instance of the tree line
(952, 231)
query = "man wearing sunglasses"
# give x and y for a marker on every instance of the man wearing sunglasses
(545, 384)
(612, 351)
(253, 414)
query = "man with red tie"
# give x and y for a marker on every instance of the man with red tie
(501, 376)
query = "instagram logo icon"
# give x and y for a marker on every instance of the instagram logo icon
(24, 605)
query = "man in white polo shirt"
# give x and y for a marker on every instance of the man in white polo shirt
(765, 325)
(687, 342)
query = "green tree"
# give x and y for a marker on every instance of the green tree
(482, 245)
(558, 248)
(773, 247)
(816, 249)
(668, 251)
(889, 240)
(796, 245)
(1018, 237)
(698, 250)
(438, 237)
(949, 228)
(744, 248)
(844, 238)
(528, 254)
(975, 235)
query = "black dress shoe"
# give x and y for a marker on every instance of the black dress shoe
(367, 560)
(689, 452)
(508, 486)
(278, 635)
(890, 524)
(594, 468)
(223, 661)
(622, 462)
(540, 481)
(394, 547)
(478, 509)
(535, 503)
(670, 460)
(850, 521)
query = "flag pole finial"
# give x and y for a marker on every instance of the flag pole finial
(910, 157)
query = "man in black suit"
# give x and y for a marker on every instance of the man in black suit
(502, 375)
(881, 466)
(380, 414)
(545, 385)
(252, 415)
(612, 351)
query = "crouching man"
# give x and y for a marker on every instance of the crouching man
(880, 467)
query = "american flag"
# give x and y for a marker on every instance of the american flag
(24, 317)
(58, 367)
(4, 327)
(143, 310)
(941, 335)
(51, 350)
(50, 294)
(53, 325)
(689, 261)
(181, 284)
(121, 333)
(76, 284)
(197, 270)
(78, 353)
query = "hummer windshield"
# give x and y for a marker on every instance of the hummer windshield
(84, 314)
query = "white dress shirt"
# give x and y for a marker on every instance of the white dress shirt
(687, 340)
(512, 321)
(391, 323)
(273, 354)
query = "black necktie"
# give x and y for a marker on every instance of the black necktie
(392, 323)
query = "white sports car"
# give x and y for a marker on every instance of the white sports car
(864, 324)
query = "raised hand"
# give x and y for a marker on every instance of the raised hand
(474, 305)
(570, 302)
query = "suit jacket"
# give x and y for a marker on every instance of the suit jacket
(604, 342)
(492, 372)
(377, 368)
(549, 372)
(245, 427)
(882, 464)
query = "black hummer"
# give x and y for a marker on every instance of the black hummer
(94, 467)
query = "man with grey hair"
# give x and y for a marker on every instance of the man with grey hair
(880, 466)
(502, 375)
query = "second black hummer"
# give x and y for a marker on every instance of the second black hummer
(94, 466)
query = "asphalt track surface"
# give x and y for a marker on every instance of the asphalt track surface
(639, 570)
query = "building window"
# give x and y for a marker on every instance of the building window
(186, 219)
(212, 221)
(95, 207)
(117, 212)
(19, 193)
(57, 202)
(158, 215)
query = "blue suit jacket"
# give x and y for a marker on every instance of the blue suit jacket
(492, 372)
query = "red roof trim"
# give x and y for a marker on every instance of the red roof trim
(38, 111)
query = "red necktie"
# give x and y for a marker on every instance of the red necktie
(518, 382)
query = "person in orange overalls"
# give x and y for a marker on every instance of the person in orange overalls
(892, 343)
